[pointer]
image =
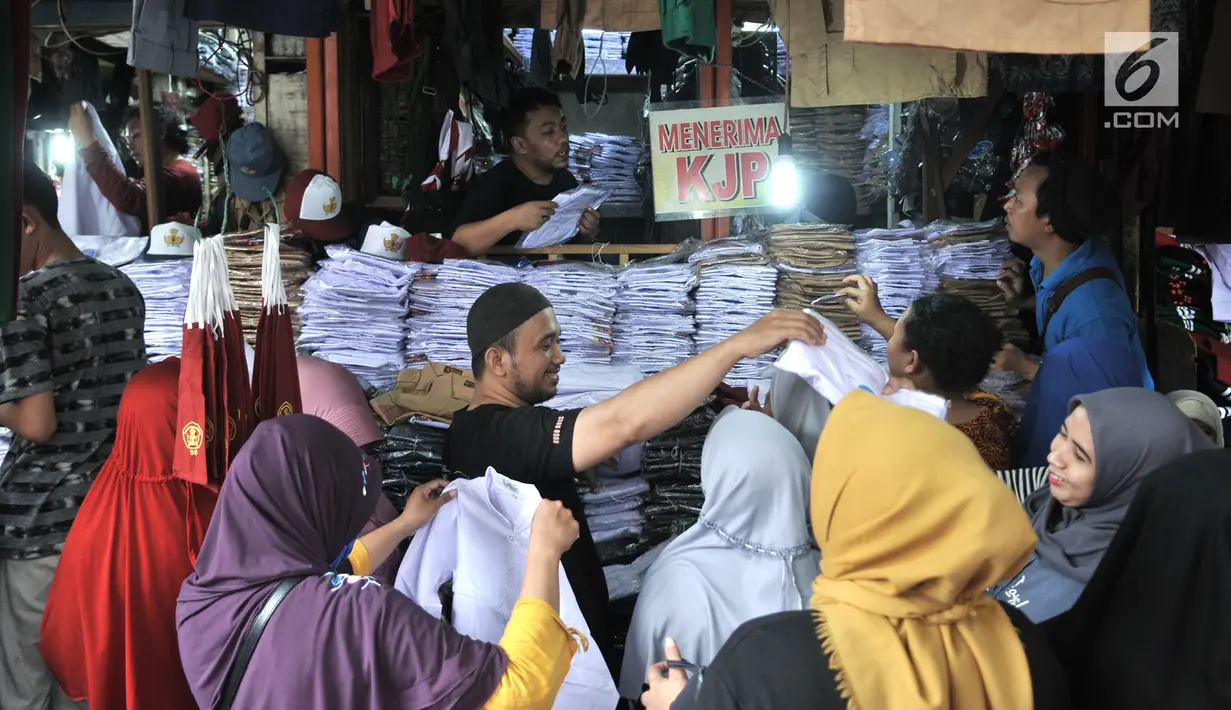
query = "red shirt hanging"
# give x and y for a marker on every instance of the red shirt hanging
(393, 39)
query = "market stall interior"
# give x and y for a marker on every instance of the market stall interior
(345, 181)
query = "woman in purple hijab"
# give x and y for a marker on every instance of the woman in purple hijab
(296, 497)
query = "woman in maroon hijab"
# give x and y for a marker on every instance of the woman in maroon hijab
(296, 497)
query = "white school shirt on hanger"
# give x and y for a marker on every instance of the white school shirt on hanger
(479, 541)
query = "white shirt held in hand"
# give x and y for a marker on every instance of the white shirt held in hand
(480, 541)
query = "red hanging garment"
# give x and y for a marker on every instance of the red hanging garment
(241, 412)
(275, 380)
(108, 632)
(201, 443)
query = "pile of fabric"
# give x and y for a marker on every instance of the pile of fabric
(244, 254)
(848, 141)
(735, 288)
(426, 296)
(583, 297)
(616, 516)
(655, 324)
(164, 286)
(899, 261)
(967, 259)
(672, 465)
(410, 455)
(439, 334)
(354, 313)
(609, 161)
(812, 260)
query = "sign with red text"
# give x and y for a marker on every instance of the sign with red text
(710, 162)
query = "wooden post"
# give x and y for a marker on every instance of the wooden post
(151, 148)
(716, 85)
(316, 104)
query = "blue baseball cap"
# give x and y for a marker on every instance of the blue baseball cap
(256, 162)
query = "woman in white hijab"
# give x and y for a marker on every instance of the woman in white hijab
(750, 553)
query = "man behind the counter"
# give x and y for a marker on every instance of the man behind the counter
(516, 195)
(515, 351)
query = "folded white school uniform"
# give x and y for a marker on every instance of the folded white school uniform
(840, 367)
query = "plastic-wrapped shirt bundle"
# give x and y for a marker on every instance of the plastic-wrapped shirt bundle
(614, 512)
(812, 261)
(604, 51)
(439, 334)
(672, 465)
(967, 259)
(655, 325)
(848, 141)
(609, 161)
(356, 288)
(736, 286)
(410, 455)
(900, 263)
(164, 286)
(583, 297)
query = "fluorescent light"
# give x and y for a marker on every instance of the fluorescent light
(63, 148)
(784, 181)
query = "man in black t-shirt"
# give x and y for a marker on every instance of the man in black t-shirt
(516, 195)
(515, 355)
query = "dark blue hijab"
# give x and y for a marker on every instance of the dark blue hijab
(1074, 367)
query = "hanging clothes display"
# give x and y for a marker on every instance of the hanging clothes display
(1028, 26)
(275, 381)
(567, 49)
(475, 41)
(609, 15)
(207, 388)
(393, 40)
(689, 27)
(83, 208)
(297, 18)
(479, 543)
(164, 38)
(829, 70)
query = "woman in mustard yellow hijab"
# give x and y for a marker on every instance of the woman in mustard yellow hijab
(912, 527)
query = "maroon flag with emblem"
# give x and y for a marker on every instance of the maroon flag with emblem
(275, 377)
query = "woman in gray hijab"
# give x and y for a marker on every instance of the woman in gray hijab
(795, 405)
(749, 555)
(1110, 441)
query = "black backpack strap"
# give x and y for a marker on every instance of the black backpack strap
(239, 666)
(1056, 299)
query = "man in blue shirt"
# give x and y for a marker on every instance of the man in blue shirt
(1056, 211)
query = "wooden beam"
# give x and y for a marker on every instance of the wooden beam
(151, 148)
(588, 250)
(933, 189)
(333, 115)
(971, 134)
(316, 104)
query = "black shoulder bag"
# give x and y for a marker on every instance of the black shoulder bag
(1065, 289)
(239, 666)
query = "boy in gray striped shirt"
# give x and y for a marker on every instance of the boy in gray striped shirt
(75, 342)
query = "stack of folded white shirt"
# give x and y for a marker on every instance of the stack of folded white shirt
(655, 325)
(583, 297)
(353, 288)
(898, 260)
(736, 286)
(439, 334)
(164, 286)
